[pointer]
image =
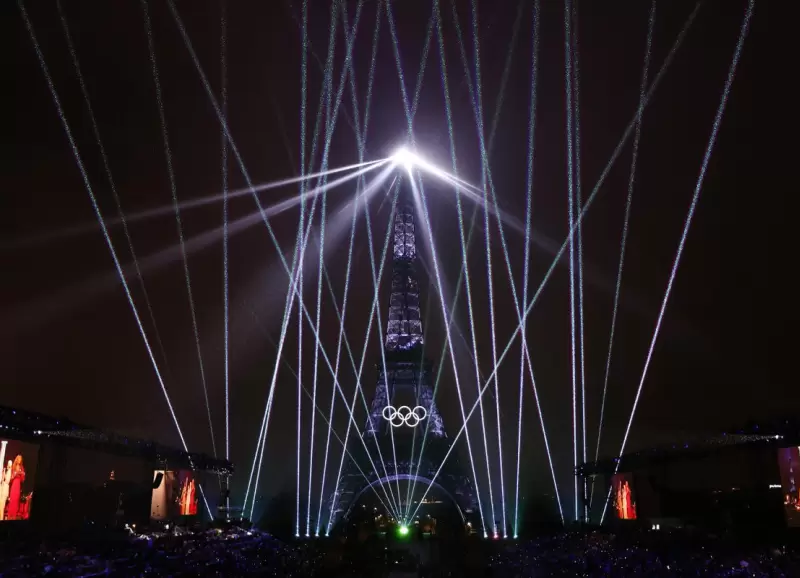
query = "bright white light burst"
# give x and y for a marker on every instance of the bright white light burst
(405, 157)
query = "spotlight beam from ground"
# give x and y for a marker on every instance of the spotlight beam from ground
(360, 184)
(112, 185)
(571, 220)
(316, 406)
(576, 92)
(518, 306)
(489, 266)
(225, 294)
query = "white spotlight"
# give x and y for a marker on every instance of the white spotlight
(404, 157)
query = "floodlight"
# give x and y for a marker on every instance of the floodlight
(404, 157)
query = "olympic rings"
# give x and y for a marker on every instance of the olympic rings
(404, 415)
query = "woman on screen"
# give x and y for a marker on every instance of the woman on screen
(184, 499)
(14, 511)
(191, 499)
(5, 483)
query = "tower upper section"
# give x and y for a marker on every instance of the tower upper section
(404, 329)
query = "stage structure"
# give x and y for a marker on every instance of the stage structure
(732, 481)
(46, 443)
(404, 406)
(42, 429)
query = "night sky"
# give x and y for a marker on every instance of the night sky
(68, 341)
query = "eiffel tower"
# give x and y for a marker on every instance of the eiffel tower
(404, 380)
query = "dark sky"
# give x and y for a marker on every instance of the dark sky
(69, 342)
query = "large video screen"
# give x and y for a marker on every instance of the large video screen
(789, 464)
(19, 460)
(623, 496)
(175, 494)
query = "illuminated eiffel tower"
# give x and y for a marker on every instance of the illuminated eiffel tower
(404, 386)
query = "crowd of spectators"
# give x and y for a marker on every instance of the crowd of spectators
(249, 552)
(232, 552)
(658, 556)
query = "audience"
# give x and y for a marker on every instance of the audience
(594, 554)
(241, 552)
(233, 552)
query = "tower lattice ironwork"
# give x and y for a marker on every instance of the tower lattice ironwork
(404, 379)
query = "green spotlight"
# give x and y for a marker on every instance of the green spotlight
(402, 530)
